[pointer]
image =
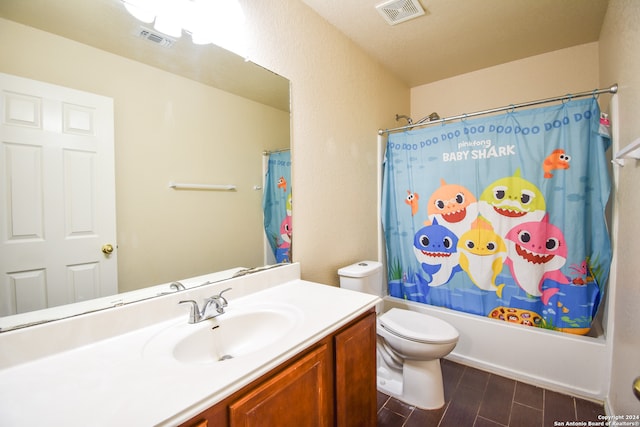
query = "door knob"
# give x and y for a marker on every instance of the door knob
(636, 387)
(107, 249)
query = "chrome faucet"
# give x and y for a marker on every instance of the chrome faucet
(245, 271)
(177, 286)
(213, 307)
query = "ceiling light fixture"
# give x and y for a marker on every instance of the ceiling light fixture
(207, 21)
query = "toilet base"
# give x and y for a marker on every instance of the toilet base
(420, 383)
(389, 382)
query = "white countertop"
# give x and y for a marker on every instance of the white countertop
(115, 382)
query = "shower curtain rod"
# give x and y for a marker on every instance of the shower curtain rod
(267, 152)
(611, 89)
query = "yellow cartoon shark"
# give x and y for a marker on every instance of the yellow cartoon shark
(511, 201)
(482, 254)
(289, 204)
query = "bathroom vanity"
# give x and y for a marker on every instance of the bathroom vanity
(285, 349)
(333, 379)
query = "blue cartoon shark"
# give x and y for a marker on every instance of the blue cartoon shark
(435, 247)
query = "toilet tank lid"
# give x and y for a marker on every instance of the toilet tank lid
(360, 269)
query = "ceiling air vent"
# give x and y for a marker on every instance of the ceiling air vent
(156, 37)
(396, 11)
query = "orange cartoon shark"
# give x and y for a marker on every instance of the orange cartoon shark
(454, 206)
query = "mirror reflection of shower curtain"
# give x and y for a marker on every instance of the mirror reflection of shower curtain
(276, 205)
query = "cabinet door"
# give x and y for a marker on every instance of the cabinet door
(355, 370)
(301, 395)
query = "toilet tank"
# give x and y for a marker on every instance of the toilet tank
(363, 276)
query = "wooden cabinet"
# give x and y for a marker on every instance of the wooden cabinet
(333, 382)
(300, 395)
(355, 374)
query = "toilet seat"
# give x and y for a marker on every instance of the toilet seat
(418, 327)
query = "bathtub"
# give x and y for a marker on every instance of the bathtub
(558, 361)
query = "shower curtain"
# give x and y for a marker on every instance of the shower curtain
(502, 216)
(276, 205)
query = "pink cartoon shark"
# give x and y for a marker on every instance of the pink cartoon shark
(537, 250)
(453, 206)
(283, 251)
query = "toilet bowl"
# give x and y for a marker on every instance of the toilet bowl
(409, 344)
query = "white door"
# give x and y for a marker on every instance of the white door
(57, 196)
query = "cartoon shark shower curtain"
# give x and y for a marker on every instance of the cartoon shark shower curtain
(502, 216)
(276, 205)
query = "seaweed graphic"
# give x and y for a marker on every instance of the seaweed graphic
(595, 270)
(395, 270)
(408, 277)
(546, 324)
(578, 322)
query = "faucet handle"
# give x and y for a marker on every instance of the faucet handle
(177, 286)
(220, 297)
(194, 314)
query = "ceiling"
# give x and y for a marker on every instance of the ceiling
(106, 25)
(460, 36)
(453, 37)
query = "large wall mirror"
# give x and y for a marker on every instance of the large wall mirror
(185, 112)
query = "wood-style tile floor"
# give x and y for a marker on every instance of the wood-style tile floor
(474, 398)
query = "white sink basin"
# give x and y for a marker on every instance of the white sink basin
(236, 333)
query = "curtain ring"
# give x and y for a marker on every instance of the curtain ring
(464, 117)
(596, 95)
(511, 109)
(567, 98)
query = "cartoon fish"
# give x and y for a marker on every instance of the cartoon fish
(510, 201)
(582, 271)
(454, 206)
(282, 183)
(482, 254)
(536, 252)
(412, 200)
(435, 248)
(558, 159)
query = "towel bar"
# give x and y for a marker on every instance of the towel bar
(209, 187)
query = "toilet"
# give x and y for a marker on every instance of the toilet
(410, 344)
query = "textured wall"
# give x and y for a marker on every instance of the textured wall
(340, 97)
(543, 76)
(620, 62)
